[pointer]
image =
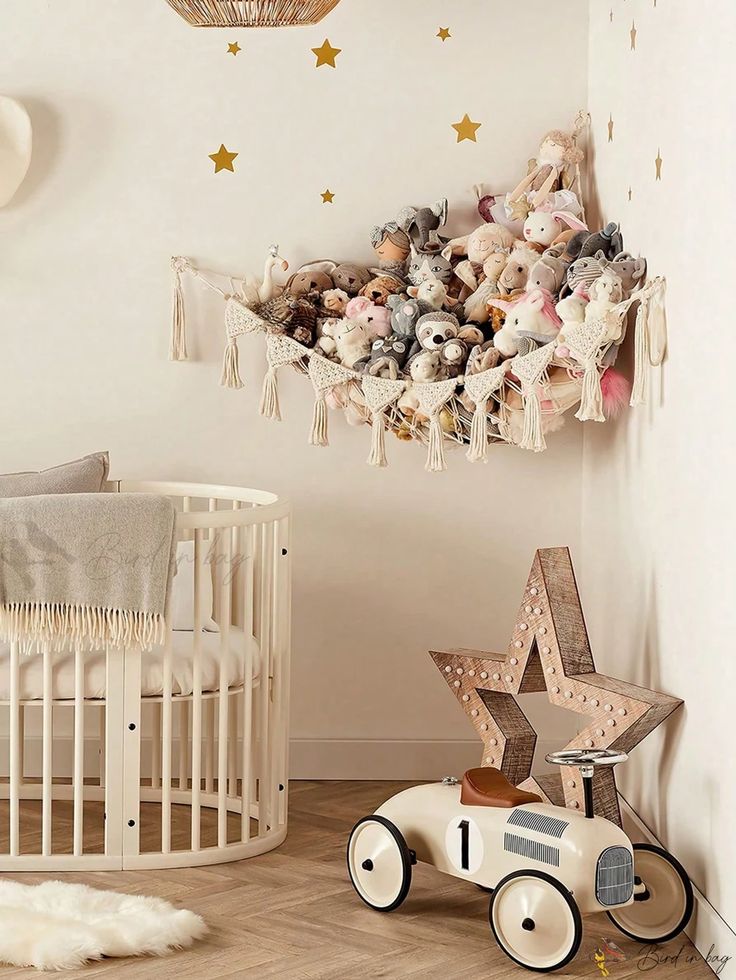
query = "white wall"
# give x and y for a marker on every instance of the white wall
(127, 102)
(658, 513)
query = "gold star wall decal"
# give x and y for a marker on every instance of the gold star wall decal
(658, 165)
(223, 159)
(326, 54)
(327, 196)
(234, 48)
(466, 129)
(610, 128)
(611, 15)
(632, 34)
(443, 33)
(631, 193)
(550, 651)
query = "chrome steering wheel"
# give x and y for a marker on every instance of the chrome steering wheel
(587, 760)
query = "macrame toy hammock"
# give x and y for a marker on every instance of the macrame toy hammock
(515, 402)
(252, 13)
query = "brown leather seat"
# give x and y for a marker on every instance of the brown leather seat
(489, 787)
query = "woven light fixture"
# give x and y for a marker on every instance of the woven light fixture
(252, 13)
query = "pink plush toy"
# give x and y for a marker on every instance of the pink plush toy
(376, 319)
(532, 315)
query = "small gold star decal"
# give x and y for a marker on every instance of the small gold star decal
(611, 15)
(326, 54)
(327, 197)
(233, 48)
(658, 165)
(443, 33)
(630, 193)
(466, 129)
(610, 128)
(223, 159)
(632, 34)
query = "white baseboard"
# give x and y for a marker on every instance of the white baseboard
(708, 931)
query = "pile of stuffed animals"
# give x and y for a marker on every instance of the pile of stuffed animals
(433, 307)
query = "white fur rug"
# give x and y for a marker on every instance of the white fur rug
(55, 926)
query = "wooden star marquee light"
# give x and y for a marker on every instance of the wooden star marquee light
(252, 13)
(550, 651)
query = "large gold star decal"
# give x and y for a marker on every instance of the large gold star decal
(223, 159)
(610, 128)
(326, 54)
(466, 129)
(632, 34)
(443, 33)
(549, 651)
(658, 165)
(327, 196)
(234, 48)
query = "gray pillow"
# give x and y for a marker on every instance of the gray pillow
(86, 475)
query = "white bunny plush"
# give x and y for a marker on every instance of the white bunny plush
(542, 227)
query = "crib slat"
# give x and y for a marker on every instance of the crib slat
(47, 754)
(264, 789)
(166, 751)
(224, 568)
(114, 752)
(15, 737)
(78, 777)
(183, 745)
(156, 745)
(209, 745)
(247, 733)
(199, 571)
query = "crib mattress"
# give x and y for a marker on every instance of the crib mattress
(152, 668)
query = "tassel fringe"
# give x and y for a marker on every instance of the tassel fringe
(591, 397)
(377, 455)
(178, 349)
(230, 377)
(641, 378)
(318, 435)
(269, 406)
(60, 626)
(436, 456)
(477, 451)
(532, 436)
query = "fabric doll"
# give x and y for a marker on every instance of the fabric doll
(557, 152)
(392, 246)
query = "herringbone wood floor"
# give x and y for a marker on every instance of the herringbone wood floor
(292, 914)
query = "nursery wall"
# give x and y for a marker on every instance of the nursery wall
(127, 103)
(658, 489)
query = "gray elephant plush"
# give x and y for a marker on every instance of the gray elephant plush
(608, 240)
(421, 224)
(404, 315)
(631, 271)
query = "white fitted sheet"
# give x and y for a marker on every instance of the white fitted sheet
(152, 672)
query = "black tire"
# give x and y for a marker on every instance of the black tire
(406, 860)
(689, 898)
(569, 900)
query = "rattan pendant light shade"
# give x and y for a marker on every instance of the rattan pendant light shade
(252, 13)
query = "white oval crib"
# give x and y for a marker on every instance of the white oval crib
(179, 757)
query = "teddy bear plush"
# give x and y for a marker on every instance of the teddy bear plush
(532, 317)
(346, 341)
(350, 277)
(376, 319)
(432, 262)
(378, 289)
(308, 280)
(404, 315)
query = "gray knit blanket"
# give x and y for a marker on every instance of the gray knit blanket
(93, 568)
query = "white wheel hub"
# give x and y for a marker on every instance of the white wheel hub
(665, 905)
(377, 864)
(533, 922)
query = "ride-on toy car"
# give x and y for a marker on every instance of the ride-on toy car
(545, 865)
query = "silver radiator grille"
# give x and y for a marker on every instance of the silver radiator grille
(539, 822)
(614, 879)
(544, 853)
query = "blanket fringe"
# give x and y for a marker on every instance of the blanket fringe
(60, 626)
